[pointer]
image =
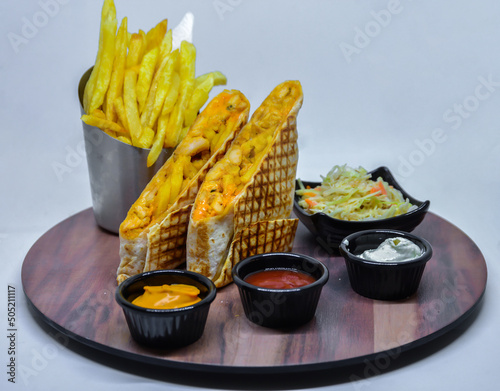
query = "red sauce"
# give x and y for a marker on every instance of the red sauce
(279, 279)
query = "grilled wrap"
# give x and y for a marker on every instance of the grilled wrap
(153, 234)
(249, 190)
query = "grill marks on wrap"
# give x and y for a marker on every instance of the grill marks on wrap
(265, 197)
(258, 238)
(170, 249)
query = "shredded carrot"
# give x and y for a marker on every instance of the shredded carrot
(311, 203)
(378, 187)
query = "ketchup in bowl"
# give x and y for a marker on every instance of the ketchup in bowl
(279, 279)
(280, 289)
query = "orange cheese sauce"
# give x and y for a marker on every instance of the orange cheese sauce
(166, 297)
(205, 137)
(229, 175)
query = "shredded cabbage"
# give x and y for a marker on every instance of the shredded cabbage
(350, 194)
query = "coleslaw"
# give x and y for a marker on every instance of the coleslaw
(350, 194)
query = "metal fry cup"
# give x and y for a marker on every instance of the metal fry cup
(118, 172)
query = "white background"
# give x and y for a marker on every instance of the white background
(414, 86)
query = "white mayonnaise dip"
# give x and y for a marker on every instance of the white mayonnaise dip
(393, 250)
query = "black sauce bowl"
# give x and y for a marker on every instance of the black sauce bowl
(165, 328)
(280, 308)
(329, 231)
(383, 280)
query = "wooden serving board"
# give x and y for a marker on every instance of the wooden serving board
(69, 280)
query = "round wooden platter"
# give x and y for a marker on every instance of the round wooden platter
(68, 277)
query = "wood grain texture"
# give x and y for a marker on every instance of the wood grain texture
(68, 277)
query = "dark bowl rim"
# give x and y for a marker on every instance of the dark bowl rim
(422, 206)
(124, 303)
(318, 283)
(423, 258)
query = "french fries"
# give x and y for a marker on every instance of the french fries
(99, 79)
(142, 92)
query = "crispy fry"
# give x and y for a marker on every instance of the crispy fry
(172, 95)
(177, 177)
(146, 139)
(116, 82)
(164, 195)
(103, 123)
(183, 133)
(165, 80)
(166, 44)
(154, 37)
(219, 78)
(137, 46)
(186, 72)
(108, 32)
(198, 99)
(174, 127)
(89, 87)
(148, 107)
(98, 113)
(110, 133)
(187, 66)
(120, 112)
(158, 141)
(130, 103)
(146, 73)
(124, 139)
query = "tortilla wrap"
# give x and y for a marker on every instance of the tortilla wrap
(153, 234)
(253, 183)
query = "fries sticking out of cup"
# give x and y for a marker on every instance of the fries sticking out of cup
(143, 91)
